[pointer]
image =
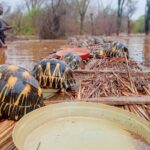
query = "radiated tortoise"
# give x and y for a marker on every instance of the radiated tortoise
(19, 92)
(53, 73)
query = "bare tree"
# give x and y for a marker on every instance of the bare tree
(51, 24)
(119, 14)
(82, 6)
(147, 17)
(56, 15)
(33, 4)
(92, 24)
(7, 8)
(15, 18)
(105, 20)
(131, 8)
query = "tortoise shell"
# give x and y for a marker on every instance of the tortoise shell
(118, 50)
(73, 60)
(53, 73)
(19, 92)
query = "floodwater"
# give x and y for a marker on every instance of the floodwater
(139, 50)
(27, 53)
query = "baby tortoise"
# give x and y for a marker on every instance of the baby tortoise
(19, 92)
(53, 73)
(73, 60)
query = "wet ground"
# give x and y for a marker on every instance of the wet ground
(27, 53)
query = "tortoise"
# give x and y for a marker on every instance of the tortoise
(118, 49)
(53, 73)
(73, 60)
(19, 92)
(102, 51)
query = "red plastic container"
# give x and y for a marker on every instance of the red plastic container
(82, 52)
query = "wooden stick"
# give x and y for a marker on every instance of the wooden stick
(123, 100)
(147, 91)
(88, 96)
(79, 93)
(109, 71)
(123, 82)
(129, 75)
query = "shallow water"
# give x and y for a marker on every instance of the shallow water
(27, 53)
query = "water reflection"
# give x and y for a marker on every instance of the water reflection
(27, 53)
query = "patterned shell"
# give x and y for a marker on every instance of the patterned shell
(53, 73)
(119, 49)
(73, 60)
(19, 92)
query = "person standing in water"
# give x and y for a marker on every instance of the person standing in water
(3, 27)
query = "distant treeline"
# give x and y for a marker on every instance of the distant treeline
(59, 18)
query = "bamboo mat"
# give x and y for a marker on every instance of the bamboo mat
(6, 127)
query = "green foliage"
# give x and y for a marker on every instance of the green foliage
(28, 23)
(138, 25)
(25, 24)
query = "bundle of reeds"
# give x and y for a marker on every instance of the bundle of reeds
(115, 81)
(114, 84)
(115, 64)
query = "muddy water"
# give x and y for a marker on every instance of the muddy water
(27, 53)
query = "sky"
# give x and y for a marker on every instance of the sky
(140, 5)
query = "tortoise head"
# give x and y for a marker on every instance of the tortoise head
(101, 52)
(69, 82)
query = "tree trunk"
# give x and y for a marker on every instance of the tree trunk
(119, 15)
(129, 26)
(147, 17)
(118, 24)
(92, 24)
(81, 25)
(146, 26)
